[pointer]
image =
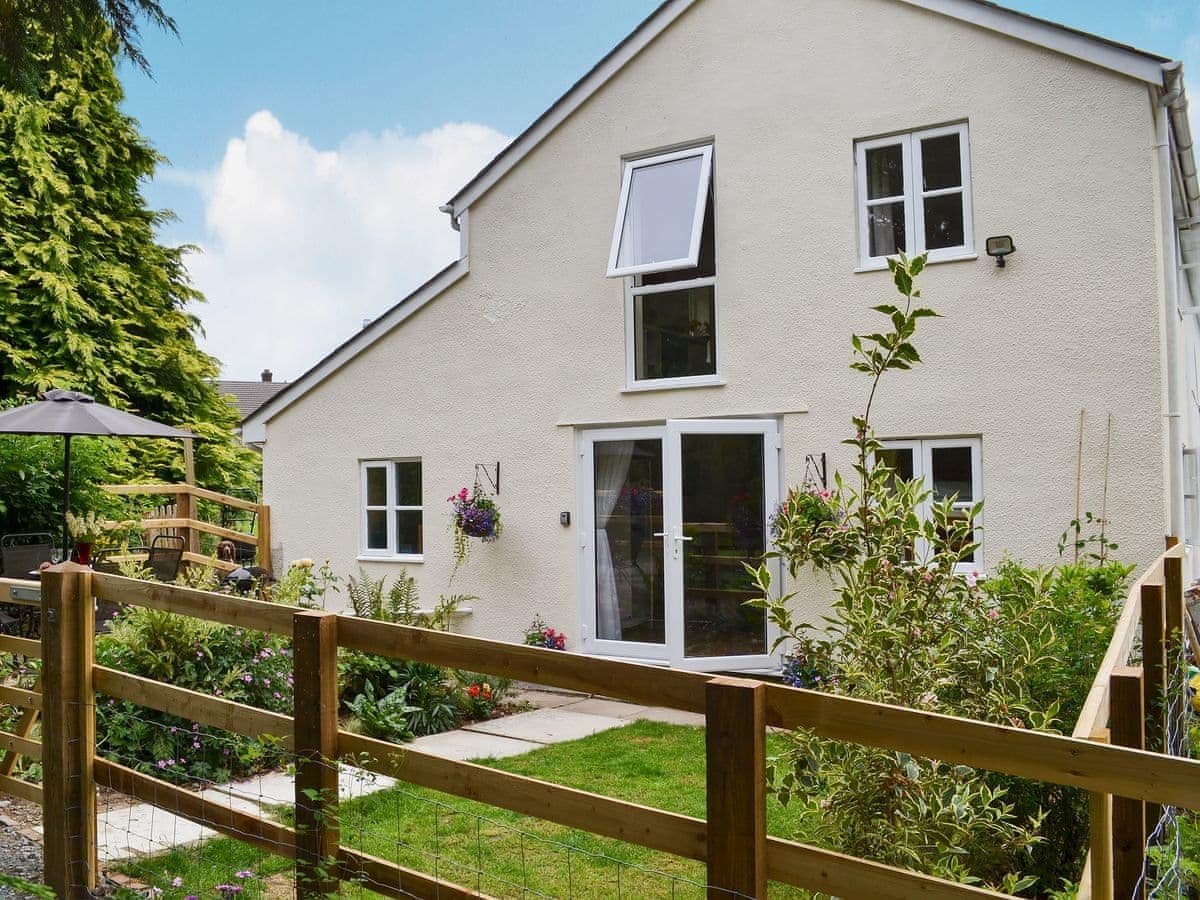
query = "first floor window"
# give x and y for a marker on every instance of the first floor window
(951, 470)
(914, 195)
(674, 330)
(392, 522)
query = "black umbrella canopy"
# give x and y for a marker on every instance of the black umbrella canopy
(71, 413)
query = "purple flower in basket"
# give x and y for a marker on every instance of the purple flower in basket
(475, 514)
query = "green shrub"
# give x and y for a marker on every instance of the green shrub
(223, 661)
(1019, 649)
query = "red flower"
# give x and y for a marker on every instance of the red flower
(473, 690)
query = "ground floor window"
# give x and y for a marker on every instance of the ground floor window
(392, 513)
(951, 469)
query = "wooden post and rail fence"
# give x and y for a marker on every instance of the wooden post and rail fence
(1102, 758)
(185, 521)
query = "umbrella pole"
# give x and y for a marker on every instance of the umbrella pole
(66, 547)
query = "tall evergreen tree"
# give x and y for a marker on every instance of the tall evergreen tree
(89, 299)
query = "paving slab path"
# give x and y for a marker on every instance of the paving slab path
(142, 829)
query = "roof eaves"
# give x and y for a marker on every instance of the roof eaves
(1091, 48)
(350, 348)
(633, 44)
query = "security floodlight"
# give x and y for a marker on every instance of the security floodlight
(1000, 247)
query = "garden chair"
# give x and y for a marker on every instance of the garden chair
(166, 555)
(23, 553)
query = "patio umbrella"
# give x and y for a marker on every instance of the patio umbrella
(72, 413)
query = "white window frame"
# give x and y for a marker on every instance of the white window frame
(632, 292)
(704, 151)
(390, 507)
(914, 195)
(922, 451)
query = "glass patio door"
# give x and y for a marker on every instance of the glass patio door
(669, 515)
(723, 484)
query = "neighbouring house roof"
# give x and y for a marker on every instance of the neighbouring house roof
(249, 396)
(1151, 68)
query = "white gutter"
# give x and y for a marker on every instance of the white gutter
(1170, 114)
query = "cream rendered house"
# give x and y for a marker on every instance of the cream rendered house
(647, 332)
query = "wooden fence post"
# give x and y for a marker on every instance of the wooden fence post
(1176, 665)
(68, 731)
(1154, 670)
(736, 753)
(314, 647)
(185, 508)
(1101, 829)
(264, 537)
(1127, 720)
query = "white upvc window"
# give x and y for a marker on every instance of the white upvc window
(914, 195)
(664, 247)
(660, 215)
(950, 468)
(392, 511)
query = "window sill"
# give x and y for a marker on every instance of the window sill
(398, 558)
(673, 384)
(462, 611)
(882, 266)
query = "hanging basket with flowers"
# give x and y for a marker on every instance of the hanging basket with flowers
(474, 514)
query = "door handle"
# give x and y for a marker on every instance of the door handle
(659, 534)
(680, 537)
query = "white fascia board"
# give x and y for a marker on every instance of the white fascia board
(254, 427)
(583, 89)
(1080, 45)
(1089, 48)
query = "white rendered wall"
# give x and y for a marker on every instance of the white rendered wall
(530, 344)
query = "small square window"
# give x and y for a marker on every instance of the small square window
(392, 523)
(950, 469)
(914, 195)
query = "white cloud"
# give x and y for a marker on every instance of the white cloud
(302, 244)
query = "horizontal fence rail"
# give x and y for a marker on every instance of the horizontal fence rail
(1101, 768)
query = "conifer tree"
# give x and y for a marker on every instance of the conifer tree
(89, 298)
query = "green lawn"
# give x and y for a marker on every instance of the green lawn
(505, 854)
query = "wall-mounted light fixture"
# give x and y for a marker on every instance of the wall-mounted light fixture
(999, 247)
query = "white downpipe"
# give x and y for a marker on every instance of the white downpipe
(1171, 316)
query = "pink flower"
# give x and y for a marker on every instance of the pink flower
(993, 614)
(176, 881)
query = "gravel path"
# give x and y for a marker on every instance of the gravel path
(20, 854)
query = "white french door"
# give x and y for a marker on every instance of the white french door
(668, 516)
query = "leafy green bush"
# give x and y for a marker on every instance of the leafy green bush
(1018, 649)
(223, 661)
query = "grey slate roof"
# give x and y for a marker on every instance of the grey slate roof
(250, 395)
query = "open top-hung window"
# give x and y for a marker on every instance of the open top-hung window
(661, 213)
(663, 245)
(914, 195)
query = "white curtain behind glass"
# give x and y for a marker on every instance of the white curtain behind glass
(660, 212)
(612, 468)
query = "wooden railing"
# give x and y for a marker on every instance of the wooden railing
(187, 523)
(731, 840)
(20, 742)
(1125, 706)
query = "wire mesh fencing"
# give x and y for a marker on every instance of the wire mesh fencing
(150, 846)
(1165, 867)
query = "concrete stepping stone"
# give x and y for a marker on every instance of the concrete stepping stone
(548, 726)
(463, 745)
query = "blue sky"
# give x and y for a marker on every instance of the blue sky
(278, 118)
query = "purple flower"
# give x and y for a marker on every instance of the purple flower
(176, 881)
(244, 873)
